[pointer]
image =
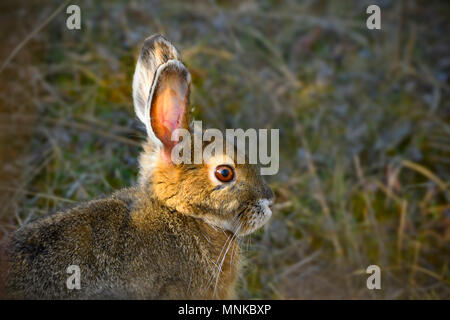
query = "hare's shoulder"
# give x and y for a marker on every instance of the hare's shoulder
(85, 223)
(92, 235)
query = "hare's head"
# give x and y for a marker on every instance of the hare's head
(218, 190)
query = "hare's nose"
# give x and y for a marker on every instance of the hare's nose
(268, 194)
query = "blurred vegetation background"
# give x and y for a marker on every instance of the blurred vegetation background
(363, 118)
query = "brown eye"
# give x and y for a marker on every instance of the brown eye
(224, 173)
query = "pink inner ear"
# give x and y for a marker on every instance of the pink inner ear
(168, 112)
(172, 106)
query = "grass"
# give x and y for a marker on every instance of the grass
(363, 118)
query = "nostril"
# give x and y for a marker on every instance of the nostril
(268, 201)
(264, 206)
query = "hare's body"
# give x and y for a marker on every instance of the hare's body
(128, 246)
(173, 236)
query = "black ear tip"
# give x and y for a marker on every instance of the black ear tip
(158, 47)
(155, 41)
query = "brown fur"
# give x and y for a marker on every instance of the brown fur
(128, 246)
(174, 236)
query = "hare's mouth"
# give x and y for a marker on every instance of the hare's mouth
(253, 217)
(248, 219)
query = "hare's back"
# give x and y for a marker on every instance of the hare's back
(92, 237)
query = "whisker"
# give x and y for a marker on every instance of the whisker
(225, 254)
(216, 264)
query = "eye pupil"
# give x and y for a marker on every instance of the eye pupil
(224, 173)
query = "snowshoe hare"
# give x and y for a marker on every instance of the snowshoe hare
(173, 236)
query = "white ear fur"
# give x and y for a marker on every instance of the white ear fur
(156, 53)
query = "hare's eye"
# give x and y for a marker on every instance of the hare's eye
(224, 173)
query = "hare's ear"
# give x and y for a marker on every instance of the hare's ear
(169, 102)
(155, 52)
